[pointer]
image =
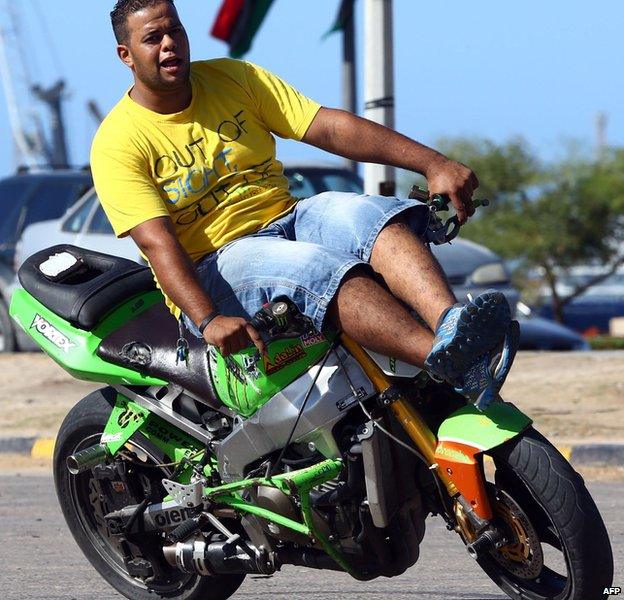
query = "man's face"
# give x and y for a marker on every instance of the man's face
(157, 50)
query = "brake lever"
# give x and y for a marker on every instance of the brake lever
(440, 232)
(452, 227)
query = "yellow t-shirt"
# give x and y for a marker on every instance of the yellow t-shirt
(211, 167)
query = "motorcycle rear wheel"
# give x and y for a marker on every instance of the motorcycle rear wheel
(82, 428)
(550, 502)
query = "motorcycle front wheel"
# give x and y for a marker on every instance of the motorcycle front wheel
(84, 508)
(557, 544)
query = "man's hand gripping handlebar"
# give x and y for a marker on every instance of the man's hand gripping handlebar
(439, 231)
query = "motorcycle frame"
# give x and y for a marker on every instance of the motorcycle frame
(455, 460)
(454, 454)
(128, 417)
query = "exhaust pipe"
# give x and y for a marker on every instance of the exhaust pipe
(216, 558)
(87, 458)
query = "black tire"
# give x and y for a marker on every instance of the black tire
(562, 513)
(81, 428)
(7, 333)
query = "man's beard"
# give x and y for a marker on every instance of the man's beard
(156, 82)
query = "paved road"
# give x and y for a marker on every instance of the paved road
(39, 559)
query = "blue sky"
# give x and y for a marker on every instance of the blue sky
(489, 68)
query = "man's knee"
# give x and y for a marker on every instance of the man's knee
(354, 287)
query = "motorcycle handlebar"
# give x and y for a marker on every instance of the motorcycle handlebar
(258, 324)
(443, 232)
(440, 202)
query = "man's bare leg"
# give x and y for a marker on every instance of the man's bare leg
(411, 272)
(463, 350)
(374, 318)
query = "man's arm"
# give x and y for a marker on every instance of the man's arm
(348, 135)
(177, 277)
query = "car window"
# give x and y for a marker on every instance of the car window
(306, 182)
(10, 224)
(51, 200)
(340, 183)
(76, 221)
(300, 186)
(100, 223)
(615, 279)
(13, 194)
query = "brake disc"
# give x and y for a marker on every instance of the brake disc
(523, 556)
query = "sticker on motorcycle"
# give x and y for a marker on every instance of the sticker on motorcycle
(287, 356)
(127, 416)
(52, 334)
(234, 369)
(312, 339)
(347, 401)
(168, 517)
(250, 364)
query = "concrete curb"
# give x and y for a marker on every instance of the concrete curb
(594, 454)
(584, 455)
(40, 448)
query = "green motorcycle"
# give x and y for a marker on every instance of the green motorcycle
(189, 470)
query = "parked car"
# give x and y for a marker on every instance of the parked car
(309, 179)
(592, 311)
(28, 198)
(470, 267)
(539, 333)
(589, 314)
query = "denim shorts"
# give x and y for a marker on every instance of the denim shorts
(304, 254)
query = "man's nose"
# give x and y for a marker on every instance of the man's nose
(168, 43)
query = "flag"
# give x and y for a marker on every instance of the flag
(226, 19)
(345, 14)
(237, 23)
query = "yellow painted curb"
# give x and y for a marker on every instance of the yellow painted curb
(566, 451)
(43, 449)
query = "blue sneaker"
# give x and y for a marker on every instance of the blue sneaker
(465, 333)
(484, 379)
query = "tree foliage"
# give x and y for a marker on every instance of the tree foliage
(549, 217)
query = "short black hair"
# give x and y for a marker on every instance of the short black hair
(123, 8)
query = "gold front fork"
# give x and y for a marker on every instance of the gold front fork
(409, 418)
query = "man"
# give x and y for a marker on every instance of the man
(185, 164)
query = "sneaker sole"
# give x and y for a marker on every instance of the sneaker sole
(513, 340)
(481, 326)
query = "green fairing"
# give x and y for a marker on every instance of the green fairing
(485, 430)
(127, 418)
(241, 383)
(75, 349)
(244, 382)
(124, 421)
(177, 445)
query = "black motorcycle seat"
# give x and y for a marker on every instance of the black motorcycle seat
(86, 290)
(148, 344)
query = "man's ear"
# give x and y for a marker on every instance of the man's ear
(124, 54)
